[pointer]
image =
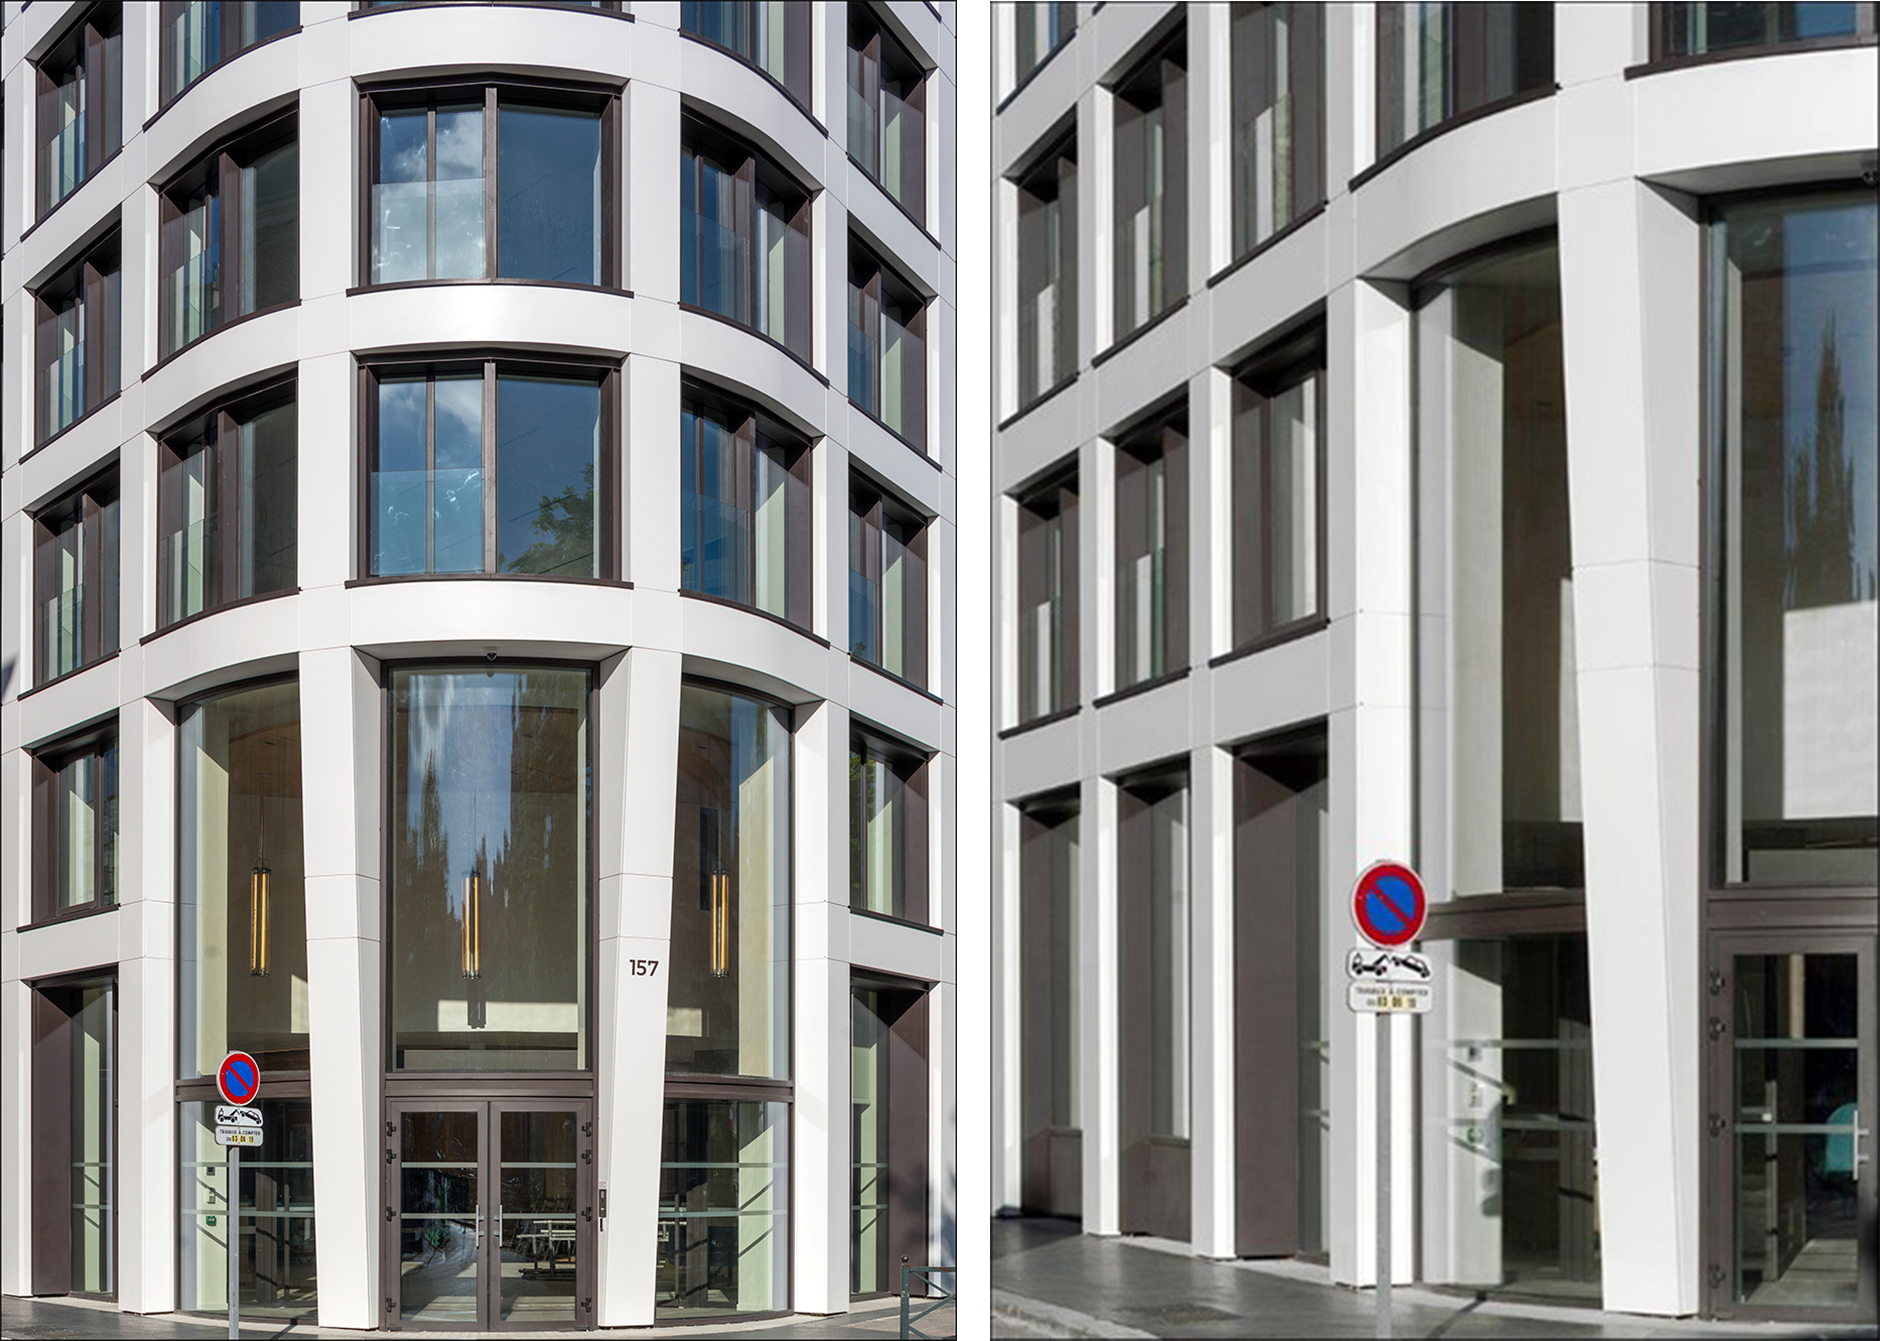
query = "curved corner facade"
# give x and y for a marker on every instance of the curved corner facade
(478, 531)
(1442, 433)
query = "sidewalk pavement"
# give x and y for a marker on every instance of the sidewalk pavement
(54, 1320)
(1049, 1279)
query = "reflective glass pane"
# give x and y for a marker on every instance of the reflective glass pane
(398, 482)
(724, 1232)
(549, 208)
(440, 1217)
(870, 1271)
(398, 196)
(277, 1264)
(270, 228)
(548, 442)
(93, 1110)
(457, 483)
(459, 237)
(538, 1224)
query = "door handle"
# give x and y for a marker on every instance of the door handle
(1860, 1155)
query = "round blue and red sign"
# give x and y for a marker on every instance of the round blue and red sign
(1388, 904)
(239, 1078)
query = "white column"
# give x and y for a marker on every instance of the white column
(1211, 1008)
(652, 116)
(1210, 143)
(1008, 1025)
(1099, 1040)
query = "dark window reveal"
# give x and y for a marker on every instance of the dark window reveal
(1150, 240)
(887, 111)
(1047, 272)
(1152, 550)
(81, 103)
(1279, 117)
(887, 584)
(1438, 61)
(887, 828)
(75, 825)
(75, 580)
(76, 359)
(887, 346)
(744, 238)
(1703, 27)
(199, 35)
(1047, 599)
(772, 35)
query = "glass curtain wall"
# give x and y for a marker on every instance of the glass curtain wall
(1152, 551)
(241, 972)
(1700, 27)
(198, 35)
(1278, 109)
(1046, 275)
(1149, 240)
(81, 104)
(887, 585)
(1497, 581)
(273, 1214)
(1796, 577)
(887, 111)
(1050, 1007)
(491, 794)
(744, 229)
(1444, 60)
(773, 35)
(1047, 599)
(75, 579)
(724, 1203)
(744, 498)
(1277, 481)
(78, 341)
(887, 828)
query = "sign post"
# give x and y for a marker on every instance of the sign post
(239, 1080)
(1389, 906)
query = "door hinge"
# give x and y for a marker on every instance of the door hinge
(391, 1129)
(587, 1128)
(389, 1156)
(1716, 1028)
(587, 1212)
(1717, 1277)
(389, 1305)
(1717, 1124)
(587, 1305)
(587, 1156)
(390, 1215)
(1716, 982)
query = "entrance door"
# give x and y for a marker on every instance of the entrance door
(74, 1137)
(490, 1214)
(1793, 1099)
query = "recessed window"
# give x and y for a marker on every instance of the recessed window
(227, 506)
(887, 828)
(81, 103)
(772, 35)
(75, 580)
(1152, 549)
(1439, 61)
(1701, 27)
(77, 350)
(470, 183)
(1046, 279)
(1277, 478)
(744, 238)
(1047, 598)
(887, 583)
(230, 241)
(1038, 29)
(490, 467)
(1278, 57)
(75, 825)
(887, 346)
(199, 35)
(887, 111)
(1150, 237)
(744, 500)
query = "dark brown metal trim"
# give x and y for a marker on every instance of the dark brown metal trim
(487, 281)
(778, 345)
(752, 610)
(44, 443)
(61, 679)
(919, 452)
(206, 336)
(889, 197)
(69, 195)
(775, 83)
(1040, 399)
(92, 909)
(1285, 633)
(892, 920)
(363, 11)
(1033, 724)
(1117, 347)
(1662, 64)
(1154, 682)
(1024, 80)
(196, 83)
(1441, 128)
(1266, 244)
(888, 675)
(619, 584)
(201, 615)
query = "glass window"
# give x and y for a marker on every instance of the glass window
(227, 505)
(887, 828)
(1050, 1005)
(81, 103)
(773, 35)
(199, 35)
(728, 1000)
(1438, 61)
(744, 498)
(1047, 599)
(744, 238)
(1038, 29)
(241, 973)
(77, 357)
(724, 1203)
(1152, 881)
(888, 1144)
(230, 240)
(490, 869)
(75, 580)
(1509, 1134)
(1700, 27)
(75, 826)
(887, 347)
(1277, 478)
(1493, 410)
(887, 584)
(274, 1214)
(1795, 580)
(1150, 238)
(72, 1137)
(1152, 550)
(887, 111)
(1047, 272)
(1278, 55)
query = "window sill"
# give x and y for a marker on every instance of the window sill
(64, 676)
(906, 442)
(690, 595)
(894, 921)
(890, 675)
(756, 69)
(399, 285)
(201, 615)
(889, 197)
(1285, 633)
(777, 345)
(402, 579)
(1442, 128)
(507, 4)
(40, 447)
(698, 1085)
(79, 916)
(1118, 346)
(196, 83)
(1040, 399)
(176, 354)
(1031, 74)
(60, 204)
(1061, 715)
(1664, 64)
(1142, 687)
(1265, 244)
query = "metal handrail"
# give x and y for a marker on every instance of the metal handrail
(927, 1274)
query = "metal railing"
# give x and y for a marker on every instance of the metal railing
(937, 1298)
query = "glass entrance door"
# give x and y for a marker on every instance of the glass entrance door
(1793, 1071)
(490, 1214)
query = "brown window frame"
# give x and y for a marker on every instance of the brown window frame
(872, 508)
(230, 44)
(880, 282)
(98, 742)
(1664, 49)
(86, 48)
(1464, 74)
(88, 509)
(909, 764)
(798, 66)
(93, 283)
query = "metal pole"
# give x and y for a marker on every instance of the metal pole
(234, 1246)
(1383, 1174)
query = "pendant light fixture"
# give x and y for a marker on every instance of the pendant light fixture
(472, 966)
(721, 921)
(258, 894)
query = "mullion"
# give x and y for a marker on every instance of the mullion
(490, 223)
(224, 505)
(430, 218)
(489, 467)
(430, 474)
(1268, 595)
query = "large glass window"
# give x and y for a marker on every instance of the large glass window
(773, 35)
(1046, 277)
(887, 584)
(887, 828)
(728, 999)
(199, 35)
(1047, 598)
(1152, 549)
(75, 580)
(75, 826)
(1438, 61)
(230, 243)
(887, 111)
(744, 499)
(1277, 482)
(491, 792)
(1150, 238)
(1701, 27)
(1498, 571)
(724, 1203)
(467, 176)
(272, 1214)
(76, 361)
(71, 1143)
(1278, 62)
(1050, 1006)
(1040, 27)
(455, 488)
(227, 506)
(1795, 580)
(241, 972)
(887, 346)
(744, 238)
(81, 103)
(888, 1143)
